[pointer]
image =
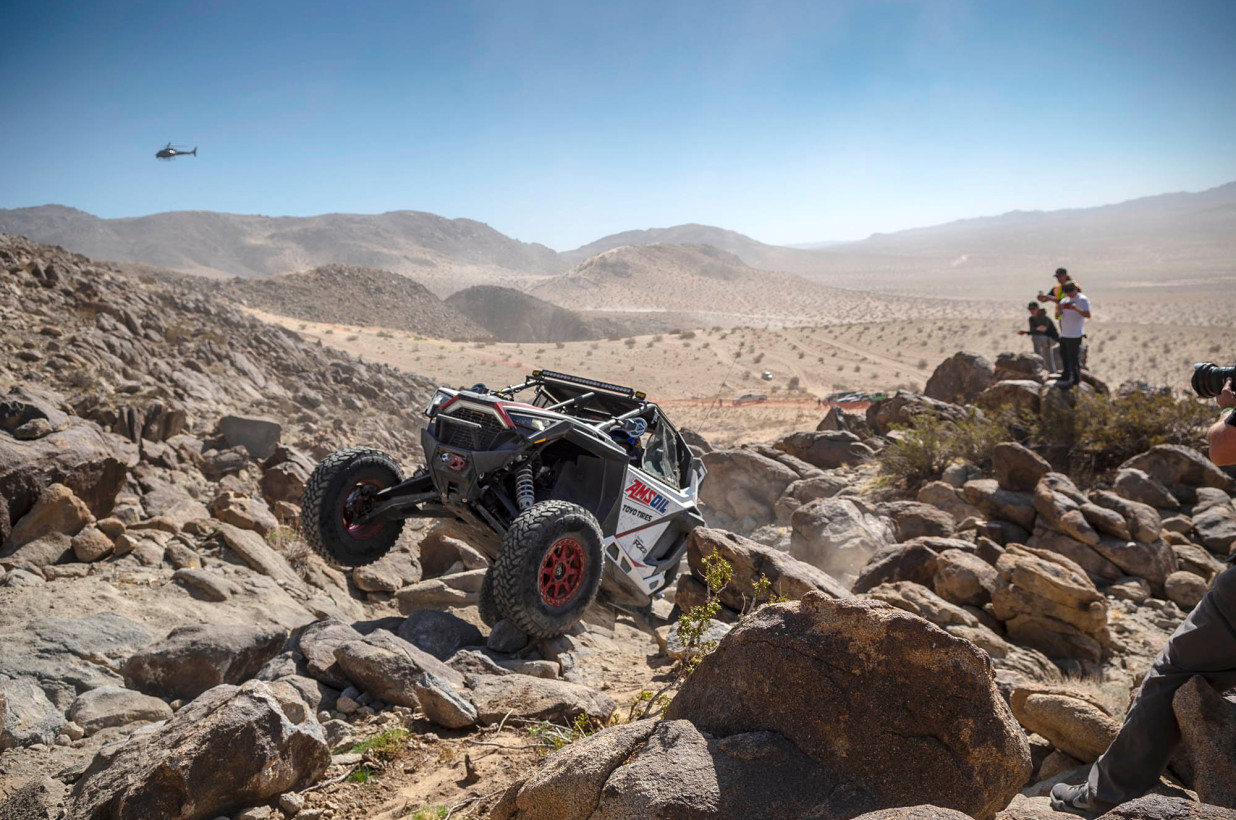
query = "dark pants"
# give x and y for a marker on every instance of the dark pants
(1205, 644)
(1070, 353)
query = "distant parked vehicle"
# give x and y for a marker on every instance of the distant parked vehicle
(750, 398)
(766, 375)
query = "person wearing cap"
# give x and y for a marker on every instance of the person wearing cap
(1044, 336)
(1205, 644)
(1076, 309)
(1057, 291)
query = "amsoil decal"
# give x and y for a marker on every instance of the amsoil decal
(643, 494)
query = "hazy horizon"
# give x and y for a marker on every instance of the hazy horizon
(790, 122)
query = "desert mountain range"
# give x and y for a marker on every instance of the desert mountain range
(1178, 245)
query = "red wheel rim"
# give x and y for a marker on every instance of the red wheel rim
(562, 571)
(355, 504)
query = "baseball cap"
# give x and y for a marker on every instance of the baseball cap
(1061, 272)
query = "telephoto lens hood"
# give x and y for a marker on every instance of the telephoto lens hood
(1209, 378)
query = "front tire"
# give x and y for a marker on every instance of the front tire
(336, 495)
(549, 569)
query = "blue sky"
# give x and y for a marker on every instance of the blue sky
(562, 122)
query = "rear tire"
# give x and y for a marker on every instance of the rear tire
(488, 606)
(549, 569)
(336, 493)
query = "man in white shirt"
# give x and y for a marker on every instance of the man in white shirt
(1075, 310)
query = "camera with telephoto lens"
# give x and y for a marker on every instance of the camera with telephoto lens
(1209, 379)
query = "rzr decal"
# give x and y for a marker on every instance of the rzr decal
(643, 494)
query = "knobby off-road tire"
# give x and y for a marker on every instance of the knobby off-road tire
(331, 495)
(549, 569)
(488, 606)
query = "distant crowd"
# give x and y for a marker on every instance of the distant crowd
(1062, 349)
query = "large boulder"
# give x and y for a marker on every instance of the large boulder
(1047, 602)
(197, 657)
(837, 535)
(1137, 485)
(1058, 502)
(397, 672)
(91, 463)
(1143, 521)
(963, 578)
(915, 519)
(996, 502)
(1161, 807)
(1023, 396)
(1215, 528)
(1181, 469)
(441, 634)
(787, 576)
(744, 486)
(1208, 736)
(673, 771)
(523, 696)
(58, 511)
(317, 643)
(900, 409)
(960, 378)
(259, 436)
(944, 496)
(882, 700)
(825, 450)
(69, 656)
(921, 601)
(1013, 366)
(1098, 568)
(1074, 724)
(26, 403)
(244, 512)
(110, 706)
(230, 748)
(261, 557)
(911, 561)
(1017, 467)
(26, 715)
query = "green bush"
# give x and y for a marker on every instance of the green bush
(929, 443)
(1101, 432)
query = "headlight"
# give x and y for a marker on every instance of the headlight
(435, 404)
(534, 423)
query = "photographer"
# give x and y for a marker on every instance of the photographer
(1222, 434)
(1205, 644)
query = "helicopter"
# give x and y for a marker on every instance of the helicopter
(168, 152)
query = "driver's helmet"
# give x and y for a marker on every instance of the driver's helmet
(628, 435)
(624, 438)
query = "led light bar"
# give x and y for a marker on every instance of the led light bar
(564, 377)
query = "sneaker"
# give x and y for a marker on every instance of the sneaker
(1073, 799)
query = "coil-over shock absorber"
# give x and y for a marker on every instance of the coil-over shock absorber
(525, 495)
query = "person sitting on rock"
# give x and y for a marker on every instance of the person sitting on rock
(1205, 644)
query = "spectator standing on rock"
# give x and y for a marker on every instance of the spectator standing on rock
(1076, 309)
(1057, 291)
(1044, 335)
(1205, 644)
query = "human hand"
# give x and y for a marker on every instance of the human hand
(1226, 397)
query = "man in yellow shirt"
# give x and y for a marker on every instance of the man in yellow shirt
(1057, 292)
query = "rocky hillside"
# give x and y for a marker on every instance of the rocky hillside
(447, 253)
(346, 295)
(947, 655)
(513, 316)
